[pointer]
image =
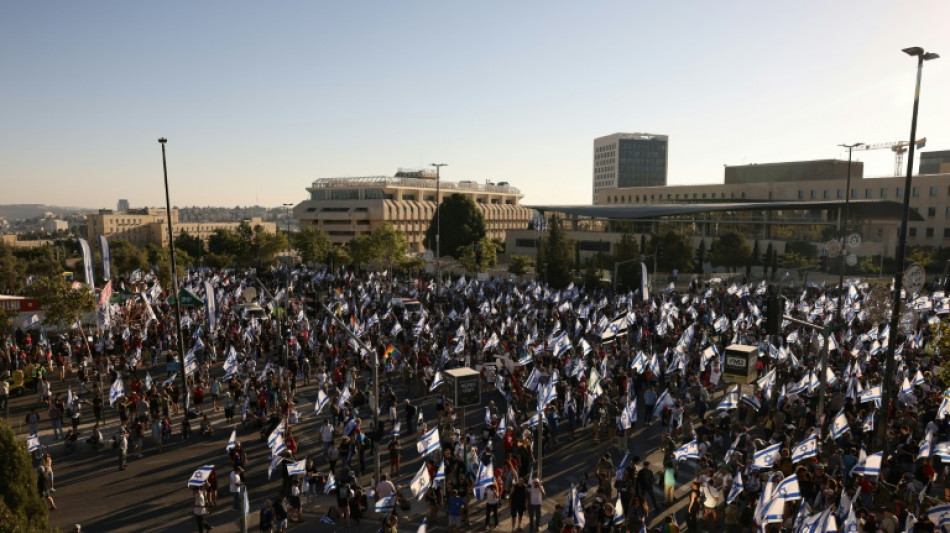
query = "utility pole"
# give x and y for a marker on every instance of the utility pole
(890, 363)
(171, 247)
(438, 227)
(843, 226)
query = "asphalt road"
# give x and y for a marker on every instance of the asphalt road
(151, 495)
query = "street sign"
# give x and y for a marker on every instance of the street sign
(740, 363)
(462, 387)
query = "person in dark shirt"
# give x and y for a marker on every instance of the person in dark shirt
(645, 482)
(518, 503)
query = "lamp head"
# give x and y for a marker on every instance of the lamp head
(162, 140)
(930, 55)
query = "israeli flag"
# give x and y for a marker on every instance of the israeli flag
(850, 522)
(420, 482)
(737, 487)
(788, 489)
(298, 468)
(397, 327)
(70, 397)
(839, 425)
(689, 450)
(629, 416)
(87, 261)
(330, 484)
(116, 391)
(872, 394)
(277, 445)
(171, 379)
(562, 345)
(868, 424)
(387, 504)
(483, 480)
(579, 519)
(765, 458)
(918, 378)
(344, 398)
(732, 449)
(942, 450)
(619, 516)
(548, 395)
(31, 321)
(806, 449)
(502, 427)
(200, 477)
(623, 465)
(33, 443)
(870, 466)
(232, 442)
(423, 526)
(665, 400)
(585, 347)
(436, 381)
(274, 461)
(429, 442)
(322, 401)
(491, 343)
(439, 474)
(926, 446)
(211, 306)
(823, 522)
(397, 428)
(730, 400)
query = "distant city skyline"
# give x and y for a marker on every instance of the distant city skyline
(258, 101)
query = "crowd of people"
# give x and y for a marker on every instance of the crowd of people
(638, 379)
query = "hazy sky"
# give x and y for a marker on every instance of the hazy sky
(258, 99)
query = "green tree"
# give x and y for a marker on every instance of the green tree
(360, 250)
(161, 258)
(792, 259)
(42, 261)
(558, 256)
(190, 244)
(12, 271)
(462, 224)
(264, 246)
(731, 250)
(520, 264)
(64, 305)
(869, 266)
(756, 257)
(700, 256)
(126, 258)
(389, 244)
(412, 264)
(625, 251)
(22, 509)
(219, 260)
(338, 256)
(677, 252)
(921, 255)
(489, 256)
(228, 242)
(312, 244)
(803, 248)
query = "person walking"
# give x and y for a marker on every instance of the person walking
(201, 510)
(535, 499)
(122, 444)
(237, 485)
(518, 504)
(491, 505)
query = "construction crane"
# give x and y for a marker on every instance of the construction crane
(899, 148)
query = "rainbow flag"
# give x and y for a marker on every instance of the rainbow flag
(390, 351)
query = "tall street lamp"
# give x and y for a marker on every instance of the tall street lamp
(843, 222)
(171, 247)
(888, 392)
(287, 215)
(438, 226)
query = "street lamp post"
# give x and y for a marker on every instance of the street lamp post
(171, 247)
(843, 223)
(888, 392)
(287, 214)
(438, 226)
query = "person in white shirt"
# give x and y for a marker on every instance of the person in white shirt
(385, 488)
(201, 509)
(535, 498)
(326, 434)
(237, 483)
